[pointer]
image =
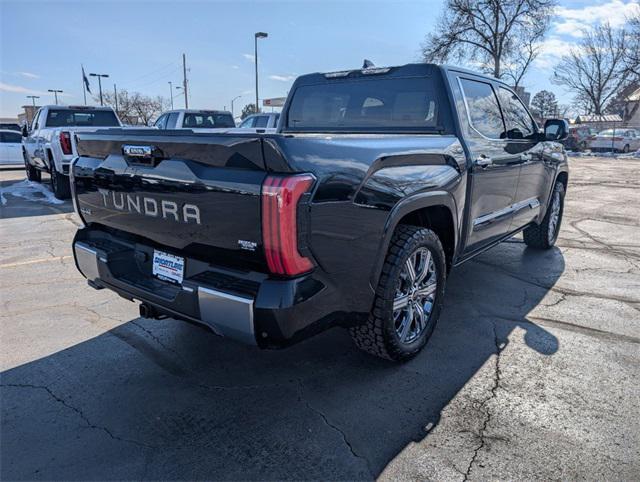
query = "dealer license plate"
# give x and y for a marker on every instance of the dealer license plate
(168, 267)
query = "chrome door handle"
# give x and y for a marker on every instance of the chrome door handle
(483, 161)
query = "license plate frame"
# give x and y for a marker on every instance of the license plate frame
(168, 267)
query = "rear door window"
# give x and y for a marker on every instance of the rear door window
(483, 108)
(248, 123)
(262, 121)
(10, 137)
(172, 120)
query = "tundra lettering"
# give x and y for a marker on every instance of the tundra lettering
(375, 184)
(149, 207)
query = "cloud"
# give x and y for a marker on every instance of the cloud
(249, 57)
(18, 89)
(571, 21)
(551, 51)
(282, 78)
(28, 75)
(235, 67)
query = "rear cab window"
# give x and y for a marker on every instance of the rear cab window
(207, 120)
(81, 117)
(371, 103)
(262, 121)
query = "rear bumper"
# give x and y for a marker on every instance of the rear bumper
(244, 306)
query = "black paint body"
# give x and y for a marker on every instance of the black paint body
(366, 183)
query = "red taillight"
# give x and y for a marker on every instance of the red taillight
(65, 143)
(280, 197)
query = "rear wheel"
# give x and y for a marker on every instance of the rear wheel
(409, 296)
(60, 184)
(33, 174)
(545, 234)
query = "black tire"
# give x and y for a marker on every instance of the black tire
(60, 185)
(626, 148)
(378, 335)
(541, 236)
(33, 174)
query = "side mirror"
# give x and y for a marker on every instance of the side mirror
(556, 130)
(25, 130)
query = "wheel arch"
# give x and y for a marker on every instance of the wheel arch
(433, 210)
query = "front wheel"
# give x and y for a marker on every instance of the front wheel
(545, 234)
(33, 174)
(60, 184)
(409, 296)
(626, 148)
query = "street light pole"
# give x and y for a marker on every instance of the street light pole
(171, 93)
(232, 101)
(100, 76)
(33, 98)
(55, 93)
(256, 36)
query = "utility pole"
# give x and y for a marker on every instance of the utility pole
(184, 80)
(55, 93)
(171, 93)
(115, 97)
(232, 101)
(256, 36)
(100, 76)
(33, 98)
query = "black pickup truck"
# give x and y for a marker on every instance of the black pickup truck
(377, 182)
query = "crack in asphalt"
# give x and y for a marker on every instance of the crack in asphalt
(333, 426)
(78, 411)
(496, 384)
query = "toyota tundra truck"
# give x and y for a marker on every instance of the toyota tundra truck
(49, 145)
(376, 184)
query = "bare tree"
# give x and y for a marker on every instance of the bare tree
(545, 104)
(595, 70)
(633, 52)
(500, 34)
(247, 110)
(135, 108)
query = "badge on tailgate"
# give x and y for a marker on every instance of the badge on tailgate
(146, 155)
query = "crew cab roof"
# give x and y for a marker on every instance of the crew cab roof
(77, 107)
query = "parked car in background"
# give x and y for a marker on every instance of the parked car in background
(259, 123)
(10, 147)
(196, 120)
(9, 126)
(50, 145)
(579, 137)
(377, 182)
(616, 140)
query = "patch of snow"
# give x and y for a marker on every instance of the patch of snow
(31, 191)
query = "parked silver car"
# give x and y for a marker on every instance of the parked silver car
(616, 140)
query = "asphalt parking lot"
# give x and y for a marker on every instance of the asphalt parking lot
(533, 371)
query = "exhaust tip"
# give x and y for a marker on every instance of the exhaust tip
(146, 311)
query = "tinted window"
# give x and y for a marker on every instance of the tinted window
(161, 123)
(371, 104)
(11, 127)
(207, 121)
(516, 116)
(261, 121)
(276, 118)
(172, 120)
(81, 117)
(248, 122)
(483, 107)
(11, 137)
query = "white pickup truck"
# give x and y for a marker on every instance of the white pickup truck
(50, 143)
(210, 121)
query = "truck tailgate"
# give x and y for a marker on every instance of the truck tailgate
(194, 193)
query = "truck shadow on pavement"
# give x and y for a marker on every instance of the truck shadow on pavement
(167, 400)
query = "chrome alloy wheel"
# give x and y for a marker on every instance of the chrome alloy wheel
(554, 217)
(415, 296)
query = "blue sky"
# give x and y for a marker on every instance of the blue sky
(140, 44)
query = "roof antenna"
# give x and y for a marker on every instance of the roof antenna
(367, 64)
